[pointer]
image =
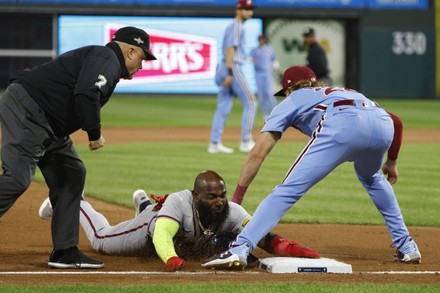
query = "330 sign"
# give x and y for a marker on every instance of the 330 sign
(409, 43)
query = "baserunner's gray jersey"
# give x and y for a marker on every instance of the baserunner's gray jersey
(134, 236)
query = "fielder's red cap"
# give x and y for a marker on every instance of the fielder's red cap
(245, 4)
(293, 75)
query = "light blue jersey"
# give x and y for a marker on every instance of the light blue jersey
(263, 58)
(343, 126)
(234, 37)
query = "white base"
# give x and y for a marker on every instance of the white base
(282, 265)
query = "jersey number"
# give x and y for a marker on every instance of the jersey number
(329, 90)
(101, 82)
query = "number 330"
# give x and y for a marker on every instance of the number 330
(409, 43)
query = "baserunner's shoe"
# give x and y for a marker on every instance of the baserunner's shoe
(233, 259)
(72, 258)
(140, 200)
(46, 211)
(408, 252)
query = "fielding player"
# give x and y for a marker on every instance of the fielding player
(344, 126)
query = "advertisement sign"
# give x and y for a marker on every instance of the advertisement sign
(286, 38)
(187, 49)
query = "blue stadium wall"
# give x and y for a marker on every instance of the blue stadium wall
(389, 44)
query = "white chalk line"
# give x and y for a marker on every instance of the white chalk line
(402, 273)
(121, 273)
(199, 273)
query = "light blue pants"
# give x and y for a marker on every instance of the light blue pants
(359, 135)
(225, 97)
(265, 92)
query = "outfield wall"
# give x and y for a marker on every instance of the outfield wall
(379, 49)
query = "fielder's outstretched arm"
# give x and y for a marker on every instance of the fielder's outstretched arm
(263, 146)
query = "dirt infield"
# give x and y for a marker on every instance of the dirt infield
(25, 241)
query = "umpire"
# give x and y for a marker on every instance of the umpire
(40, 109)
(316, 58)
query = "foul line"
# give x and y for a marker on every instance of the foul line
(202, 273)
(402, 273)
(121, 273)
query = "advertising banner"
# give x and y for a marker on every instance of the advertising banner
(285, 36)
(187, 49)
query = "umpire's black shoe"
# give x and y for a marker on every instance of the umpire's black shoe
(72, 258)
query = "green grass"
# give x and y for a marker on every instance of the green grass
(415, 113)
(115, 171)
(138, 110)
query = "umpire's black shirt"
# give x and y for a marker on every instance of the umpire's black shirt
(72, 88)
(317, 61)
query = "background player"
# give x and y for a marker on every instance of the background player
(344, 126)
(180, 225)
(231, 81)
(265, 62)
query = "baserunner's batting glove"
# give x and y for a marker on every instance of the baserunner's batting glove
(175, 263)
(283, 247)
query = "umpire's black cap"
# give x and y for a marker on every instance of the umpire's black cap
(308, 32)
(136, 37)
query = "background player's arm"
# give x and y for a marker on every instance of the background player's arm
(390, 166)
(229, 58)
(163, 235)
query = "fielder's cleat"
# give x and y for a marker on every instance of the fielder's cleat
(246, 146)
(408, 252)
(72, 258)
(233, 259)
(215, 148)
(140, 200)
(46, 211)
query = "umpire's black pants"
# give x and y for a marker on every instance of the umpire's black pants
(28, 141)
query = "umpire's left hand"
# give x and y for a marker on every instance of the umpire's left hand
(96, 144)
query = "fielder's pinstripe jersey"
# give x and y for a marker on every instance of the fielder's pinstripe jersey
(234, 37)
(263, 59)
(305, 107)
